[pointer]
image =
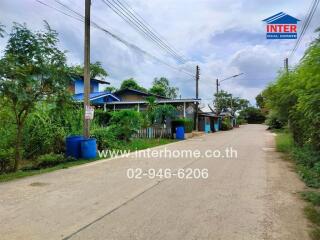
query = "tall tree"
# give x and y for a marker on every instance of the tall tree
(32, 69)
(161, 86)
(224, 101)
(132, 84)
(96, 70)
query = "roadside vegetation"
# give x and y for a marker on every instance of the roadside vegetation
(37, 111)
(292, 103)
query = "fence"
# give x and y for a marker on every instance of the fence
(154, 132)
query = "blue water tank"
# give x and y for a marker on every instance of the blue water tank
(89, 148)
(73, 146)
(180, 133)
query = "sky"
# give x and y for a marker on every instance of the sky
(223, 37)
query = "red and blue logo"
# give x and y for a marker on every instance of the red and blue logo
(281, 26)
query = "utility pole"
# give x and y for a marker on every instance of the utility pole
(86, 75)
(286, 65)
(197, 95)
(217, 85)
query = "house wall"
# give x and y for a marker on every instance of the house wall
(131, 97)
(79, 86)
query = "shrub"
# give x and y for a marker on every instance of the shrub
(49, 160)
(101, 117)
(306, 156)
(252, 115)
(125, 123)
(274, 122)
(182, 122)
(226, 124)
(106, 137)
(241, 121)
(6, 160)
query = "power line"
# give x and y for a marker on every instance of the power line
(139, 26)
(146, 23)
(307, 20)
(95, 25)
(148, 28)
(148, 31)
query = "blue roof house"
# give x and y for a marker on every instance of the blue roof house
(98, 98)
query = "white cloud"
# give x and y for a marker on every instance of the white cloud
(222, 37)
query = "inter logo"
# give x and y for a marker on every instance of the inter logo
(281, 26)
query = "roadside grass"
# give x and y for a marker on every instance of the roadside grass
(307, 163)
(136, 144)
(284, 142)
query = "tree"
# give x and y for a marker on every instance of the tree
(260, 101)
(96, 70)
(132, 84)
(151, 106)
(110, 89)
(32, 69)
(162, 113)
(224, 101)
(252, 115)
(162, 87)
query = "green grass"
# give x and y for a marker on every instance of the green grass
(315, 234)
(136, 144)
(312, 214)
(139, 144)
(284, 142)
(306, 161)
(312, 197)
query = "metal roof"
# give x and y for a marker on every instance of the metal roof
(158, 101)
(93, 96)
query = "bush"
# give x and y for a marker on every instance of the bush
(226, 124)
(49, 160)
(101, 117)
(125, 123)
(182, 122)
(252, 115)
(6, 160)
(274, 122)
(241, 121)
(106, 137)
(306, 156)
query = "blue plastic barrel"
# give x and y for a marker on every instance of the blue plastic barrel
(73, 146)
(180, 133)
(89, 148)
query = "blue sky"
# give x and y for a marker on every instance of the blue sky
(222, 37)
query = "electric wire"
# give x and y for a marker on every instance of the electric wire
(128, 17)
(114, 36)
(307, 20)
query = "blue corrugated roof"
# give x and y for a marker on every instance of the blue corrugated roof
(94, 96)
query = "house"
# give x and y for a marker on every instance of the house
(96, 97)
(209, 122)
(135, 99)
(129, 99)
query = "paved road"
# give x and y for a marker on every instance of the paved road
(252, 196)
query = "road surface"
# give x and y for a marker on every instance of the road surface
(251, 196)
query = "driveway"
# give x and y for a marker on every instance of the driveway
(251, 195)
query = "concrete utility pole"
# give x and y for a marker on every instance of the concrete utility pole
(197, 95)
(286, 65)
(86, 75)
(217, 85)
